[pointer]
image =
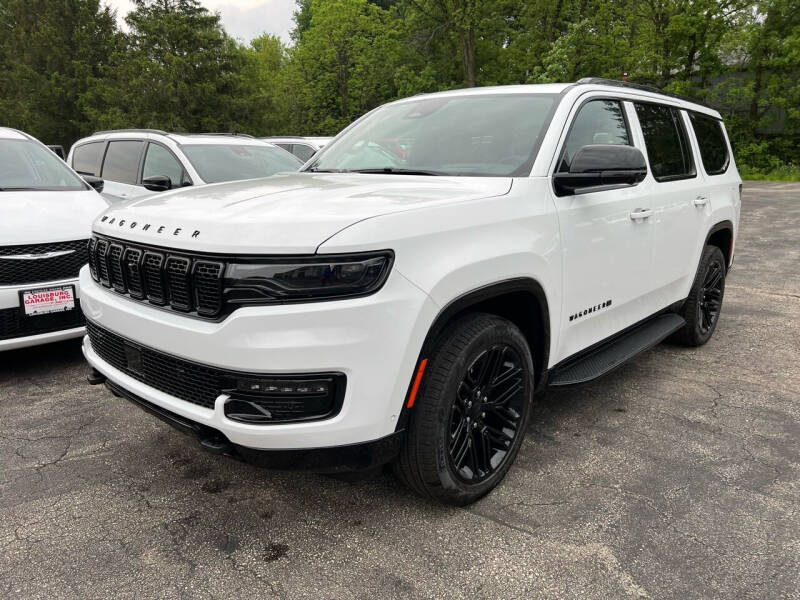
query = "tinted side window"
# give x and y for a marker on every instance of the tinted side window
(713, 149)
(160, 162)
(86, 158)
(302, 151)
(122, 161)
(666, 141)
(598, 122)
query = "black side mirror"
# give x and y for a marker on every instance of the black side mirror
(157, 183)
(95, 182)
(599, 166)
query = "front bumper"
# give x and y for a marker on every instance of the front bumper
(374, 341)
(338, 459)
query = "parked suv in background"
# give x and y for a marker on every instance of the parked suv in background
(302, 147)
(46, 212)
(380, 307)
(139, 162)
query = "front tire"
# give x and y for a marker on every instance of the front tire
(702, 307)
(471, 411)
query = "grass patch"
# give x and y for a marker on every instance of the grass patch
(783, 172)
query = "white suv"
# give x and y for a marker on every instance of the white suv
(46, 212)
(404, 303)
(135, 163)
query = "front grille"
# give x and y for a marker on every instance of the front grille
(33, 269)
(13, 324)
(168, 278)
(202, 384)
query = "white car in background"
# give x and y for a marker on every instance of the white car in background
(302, 147)
(46, 212)
(135, 163)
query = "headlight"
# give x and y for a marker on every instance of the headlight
(306, 278)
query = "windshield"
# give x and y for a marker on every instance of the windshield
(25, 165)
(476, 135)
(231, 162)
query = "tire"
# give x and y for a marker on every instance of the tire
(703, 305)
(479, 376)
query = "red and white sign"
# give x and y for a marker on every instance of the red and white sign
(48, 300)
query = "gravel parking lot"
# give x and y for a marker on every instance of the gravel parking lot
(673, 477)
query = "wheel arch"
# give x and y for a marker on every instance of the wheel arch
(721, 236)
(511, 299)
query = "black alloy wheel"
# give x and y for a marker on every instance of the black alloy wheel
(470, 415)
(703, 305)
(486, 413)
(711, 296)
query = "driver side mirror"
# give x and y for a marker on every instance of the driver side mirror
(157, 183)
(601, 166)
(95, 183)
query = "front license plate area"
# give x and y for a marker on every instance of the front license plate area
(48, 300)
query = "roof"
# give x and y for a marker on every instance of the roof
(178, 138)
(7, 133)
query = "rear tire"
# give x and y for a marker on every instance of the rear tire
(471, 411)
(702, 307)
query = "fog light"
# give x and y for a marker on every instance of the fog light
(271, 386)
(281, 399)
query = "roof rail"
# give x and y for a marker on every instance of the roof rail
(288, 137)
(159, 131)
(223, 133)
(635, 86)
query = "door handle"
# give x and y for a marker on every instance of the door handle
(641, 213)
(700, 201)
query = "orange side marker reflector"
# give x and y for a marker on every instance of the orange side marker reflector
(417, 381)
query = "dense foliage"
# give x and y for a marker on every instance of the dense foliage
(67, 69)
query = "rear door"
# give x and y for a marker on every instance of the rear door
(606, 253)
(121, 168)
(678, 197)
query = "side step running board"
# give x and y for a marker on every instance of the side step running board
(609, 356)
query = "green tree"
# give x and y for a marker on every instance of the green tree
(50, 56)
(341, 66)
(177, 69)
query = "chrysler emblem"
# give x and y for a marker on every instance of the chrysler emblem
(37, 256)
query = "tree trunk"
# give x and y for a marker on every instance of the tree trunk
(468, 53)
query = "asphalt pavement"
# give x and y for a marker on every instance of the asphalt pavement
(675, 476)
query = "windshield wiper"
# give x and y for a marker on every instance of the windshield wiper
(394, 171)
(316, 170)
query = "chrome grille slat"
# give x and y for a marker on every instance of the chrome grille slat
(39, 266)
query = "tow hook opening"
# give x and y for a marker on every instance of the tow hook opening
(95, 377)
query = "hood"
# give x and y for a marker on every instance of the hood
(32, 217)
(291, 213)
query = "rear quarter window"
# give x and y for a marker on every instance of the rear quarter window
(86, 158)
(711, 140)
